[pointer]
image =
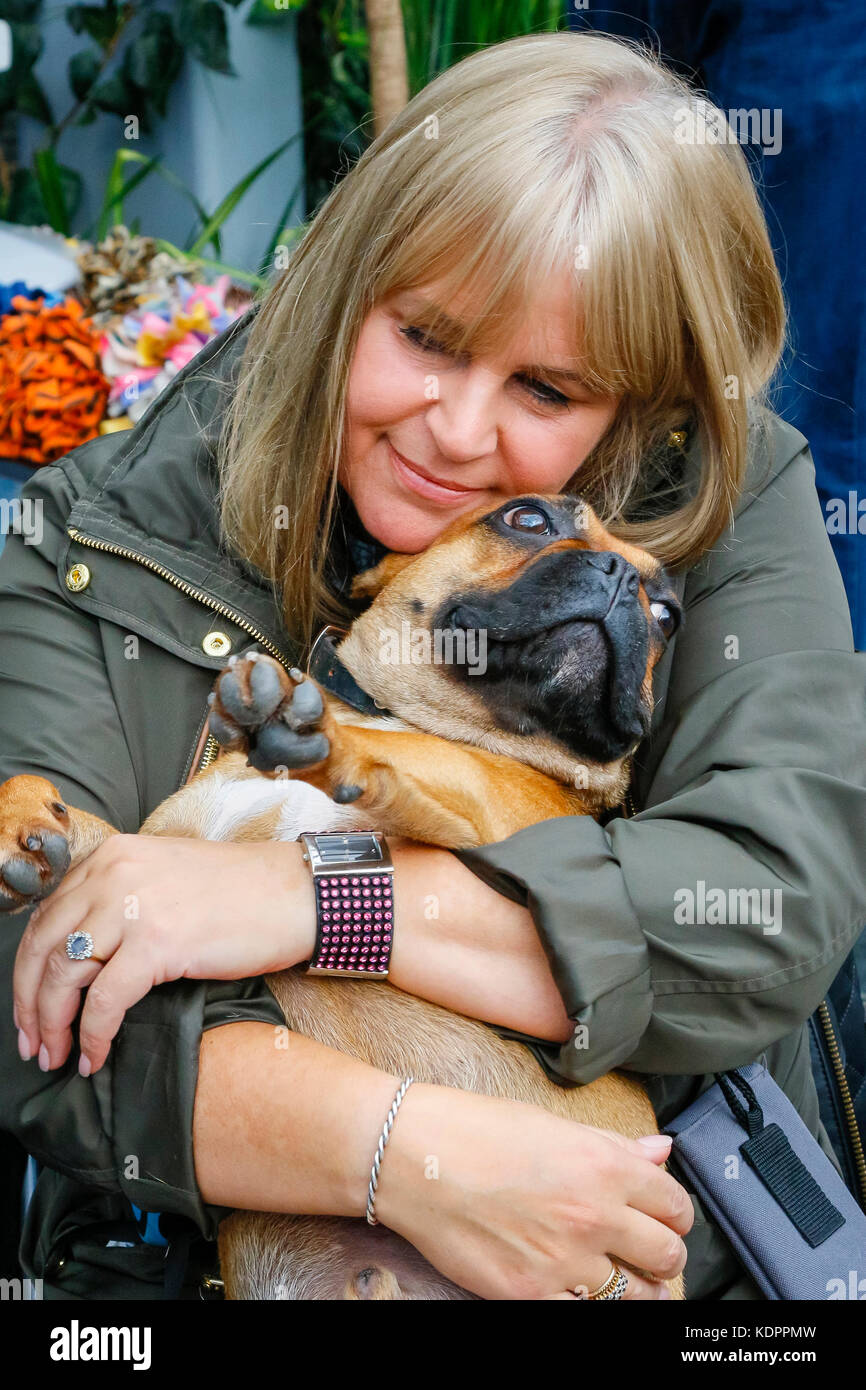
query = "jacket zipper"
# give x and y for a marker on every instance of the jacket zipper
(845, 1095)
(211, 747)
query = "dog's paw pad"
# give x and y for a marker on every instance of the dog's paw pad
(274, 714)
(305, 707)
(248, 692)
(23, 875)
(277, 746)
(250, 695)
(34, 870)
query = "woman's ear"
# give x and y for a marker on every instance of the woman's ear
(371, 582)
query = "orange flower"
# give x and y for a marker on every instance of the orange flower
(52, 392)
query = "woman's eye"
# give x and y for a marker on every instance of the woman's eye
(547, 395)
(664, 616)
(527, 519)
(418, 338)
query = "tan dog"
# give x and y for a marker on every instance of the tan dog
(574, 622)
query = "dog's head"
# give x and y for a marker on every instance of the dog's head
(527, 630)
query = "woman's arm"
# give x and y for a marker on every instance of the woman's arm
(294, 1129)
(463, 945)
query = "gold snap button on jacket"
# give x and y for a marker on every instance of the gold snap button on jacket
(216, 644)
(77, 578)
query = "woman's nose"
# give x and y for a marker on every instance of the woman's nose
(463, 418)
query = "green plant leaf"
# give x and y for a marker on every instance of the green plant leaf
(233, 197)
(245, 276)
(52, 189)
(154, 59)
(115, 93)
(25, 204)
(100, 22)
(201, 27)
(117, 189)
(83, 70)
(282, 230)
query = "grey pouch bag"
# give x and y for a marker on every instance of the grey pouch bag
(793, 1223)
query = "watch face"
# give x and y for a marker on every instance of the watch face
(348, 849)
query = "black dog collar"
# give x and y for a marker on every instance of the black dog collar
(326, 667)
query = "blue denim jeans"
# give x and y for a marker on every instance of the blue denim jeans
(807, 61)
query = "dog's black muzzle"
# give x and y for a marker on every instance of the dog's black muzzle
(569, 630)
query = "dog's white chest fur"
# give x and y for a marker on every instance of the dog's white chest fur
(232, 805)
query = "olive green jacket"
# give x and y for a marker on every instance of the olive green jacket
(753, 777)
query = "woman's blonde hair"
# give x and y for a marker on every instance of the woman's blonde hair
(549, 151)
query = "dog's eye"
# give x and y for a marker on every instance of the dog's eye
(527, 519)
(664, 616)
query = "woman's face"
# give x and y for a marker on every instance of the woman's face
(431, 436)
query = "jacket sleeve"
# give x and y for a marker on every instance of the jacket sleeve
(128, 1129)
(755, 780)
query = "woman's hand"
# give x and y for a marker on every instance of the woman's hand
(157, 909)
(512, 1202)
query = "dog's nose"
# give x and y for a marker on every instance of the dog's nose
(621, 572)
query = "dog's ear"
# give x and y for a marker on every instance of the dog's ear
(372, 582)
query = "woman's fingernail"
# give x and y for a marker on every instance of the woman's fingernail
(656, 1142)
(84, 1067)
(23, 1046)
(665, 1292)
(44, 1059)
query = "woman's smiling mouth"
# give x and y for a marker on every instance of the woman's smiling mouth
(414, 478)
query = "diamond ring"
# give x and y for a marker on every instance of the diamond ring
(79, 946)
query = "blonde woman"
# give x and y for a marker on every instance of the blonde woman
(541, 276)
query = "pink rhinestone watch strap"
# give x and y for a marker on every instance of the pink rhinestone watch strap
(354, 919)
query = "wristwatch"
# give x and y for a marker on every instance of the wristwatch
(353, 881)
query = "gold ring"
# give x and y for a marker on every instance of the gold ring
(613, 1287)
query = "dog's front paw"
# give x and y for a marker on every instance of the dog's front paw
(276, 716)
(34, 841)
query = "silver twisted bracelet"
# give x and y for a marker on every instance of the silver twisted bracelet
(383, 1139)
